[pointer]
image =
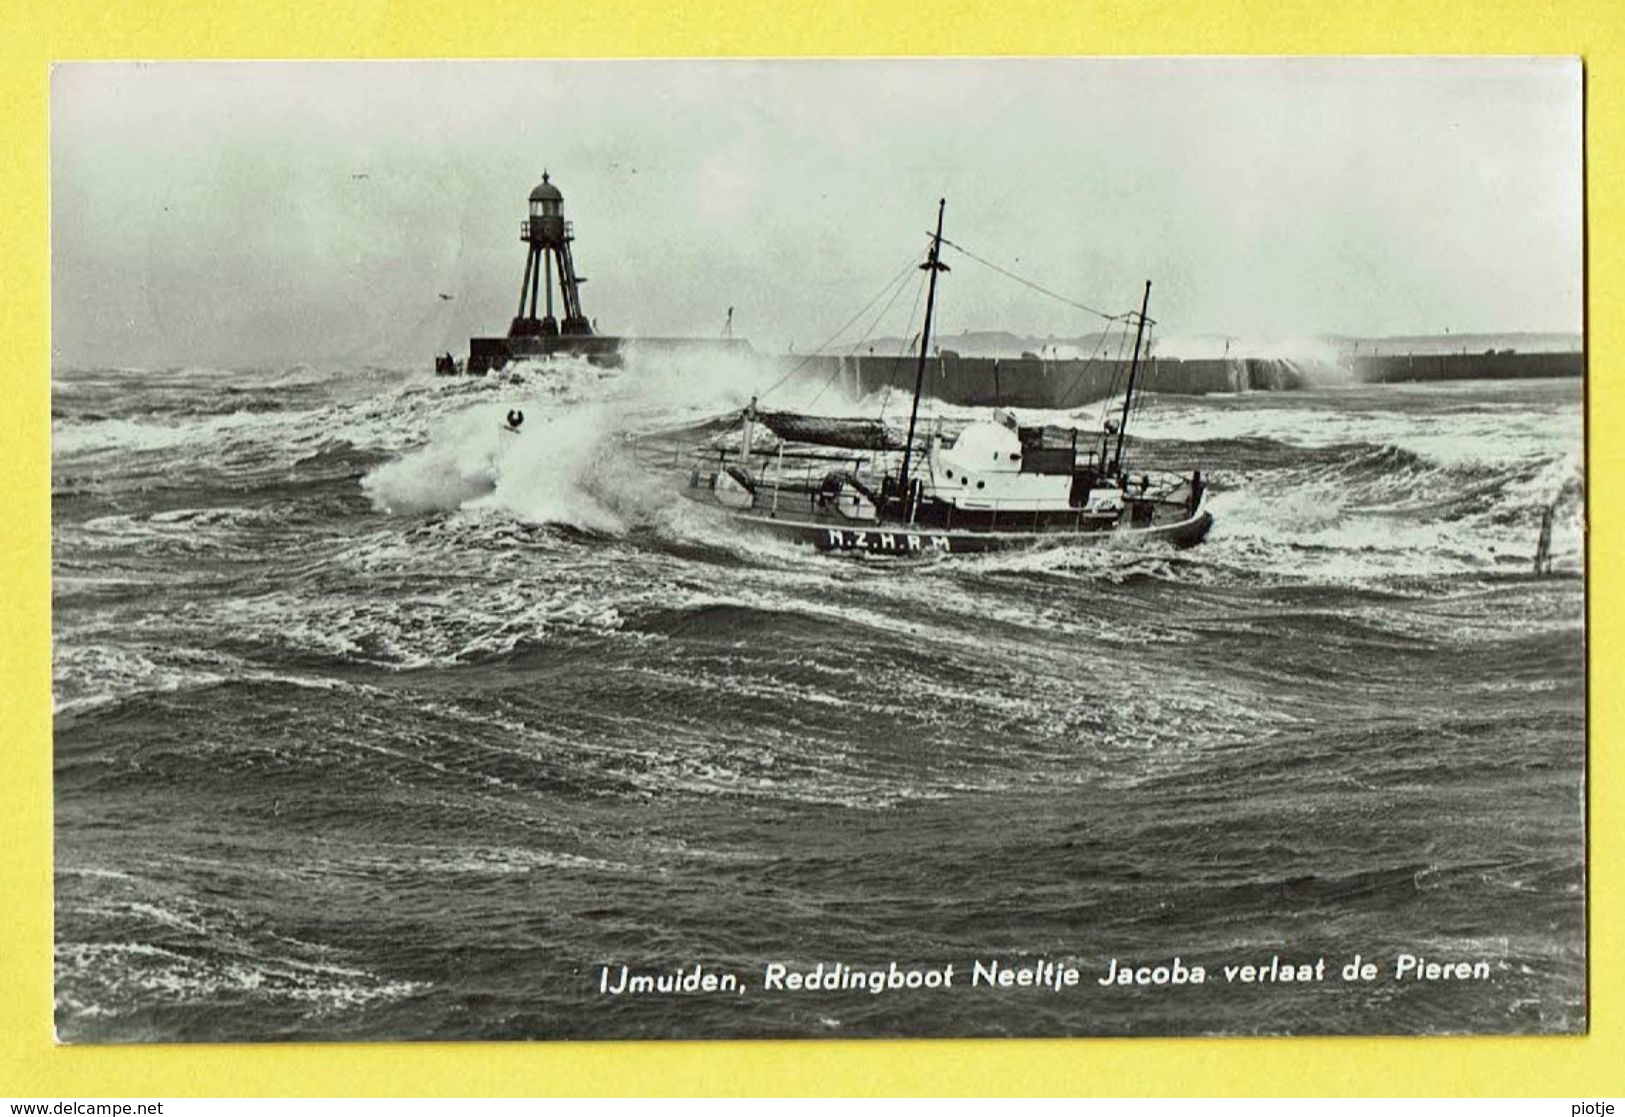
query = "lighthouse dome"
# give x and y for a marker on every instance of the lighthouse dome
(546, 191)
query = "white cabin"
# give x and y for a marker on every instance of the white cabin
(982, 470)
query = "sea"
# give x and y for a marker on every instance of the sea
(378, 720)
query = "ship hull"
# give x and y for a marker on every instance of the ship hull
(887, 539)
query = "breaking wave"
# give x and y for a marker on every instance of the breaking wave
(374, 717)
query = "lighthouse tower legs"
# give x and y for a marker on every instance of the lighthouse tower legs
(548, 236)
(535, 332)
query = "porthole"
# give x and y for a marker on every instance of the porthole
(981, 484)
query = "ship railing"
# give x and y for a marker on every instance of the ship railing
(782, 481)
(1005, 515)
(793, 474)
(1022, 517)
(656, 455)
(528, 227)
(789, 498)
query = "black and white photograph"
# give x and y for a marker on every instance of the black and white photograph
(795, 548)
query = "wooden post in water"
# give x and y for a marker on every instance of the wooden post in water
(1543, 546)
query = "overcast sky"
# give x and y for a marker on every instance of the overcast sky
(244, 214)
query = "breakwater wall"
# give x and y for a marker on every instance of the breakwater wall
(1501, 365)
(1064, 384)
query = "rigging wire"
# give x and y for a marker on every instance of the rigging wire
(1100, 347)
(1109, 404)
(895, 286)
(903, 348)
(844, 327)
(897, 289)
(1040, 288)
(932, 405)
(1117, 377)
(1122, 319)
(1138, 406)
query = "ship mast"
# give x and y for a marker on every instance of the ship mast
(1128, 396)
(933, 265)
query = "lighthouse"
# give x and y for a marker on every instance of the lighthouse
(547, 236)
(541, 332)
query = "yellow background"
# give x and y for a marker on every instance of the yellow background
(32, 37)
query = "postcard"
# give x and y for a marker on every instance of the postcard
(802, 548)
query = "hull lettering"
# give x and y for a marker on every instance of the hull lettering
(883, 542)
